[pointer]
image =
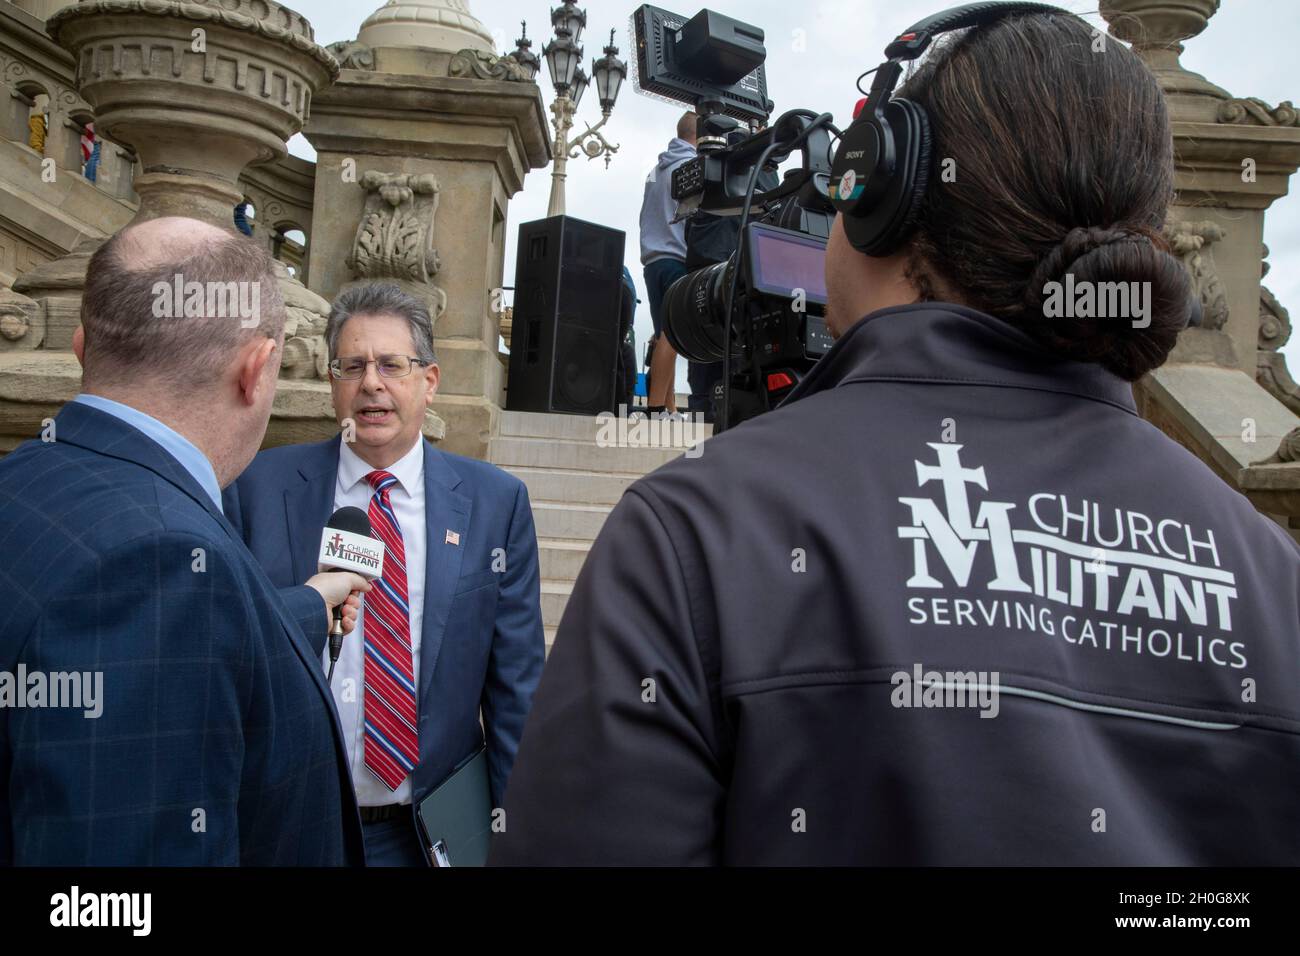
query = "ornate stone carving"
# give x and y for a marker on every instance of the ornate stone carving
(197, 118)
(1271, 370)
(353, 55)
(486, 66)
(1288, 450)
(507, 323)
(11, 69)
(1191, 242)
(1255, 112)
(395, 237)
(1161, 24)
(263, 17)
(20, 326)
(306, 313)
(251, 75)
(237, 99)
(63, 99)
(13, 325)
(18, 256)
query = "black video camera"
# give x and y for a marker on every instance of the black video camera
(761, 312)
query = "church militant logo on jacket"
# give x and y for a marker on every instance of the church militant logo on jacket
(1100, 568)
(1126, 621)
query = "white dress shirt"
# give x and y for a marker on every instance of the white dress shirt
(407, 498)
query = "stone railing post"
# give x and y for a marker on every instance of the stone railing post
(1234, 157)
(198, 90)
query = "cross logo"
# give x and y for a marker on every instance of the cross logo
(954, 535)
(954, 479)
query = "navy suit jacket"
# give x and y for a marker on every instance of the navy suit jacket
(218, 741)
(481, 646)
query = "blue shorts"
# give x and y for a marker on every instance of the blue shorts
(659, 275)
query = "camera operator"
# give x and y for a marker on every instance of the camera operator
(663, 254)
(711, 239)
(957, 515)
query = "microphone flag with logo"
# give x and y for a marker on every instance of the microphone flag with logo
(346, 544)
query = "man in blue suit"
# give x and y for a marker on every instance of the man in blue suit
(452, 632)
(214, 740)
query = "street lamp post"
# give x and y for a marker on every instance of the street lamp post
(563, 60)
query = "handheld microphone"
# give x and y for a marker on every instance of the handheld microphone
(346, 545)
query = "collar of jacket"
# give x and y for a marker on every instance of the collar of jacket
(96, 430)
(943, 343)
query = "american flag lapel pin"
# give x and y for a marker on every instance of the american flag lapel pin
(453, 537)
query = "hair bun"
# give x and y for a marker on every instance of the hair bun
(1078, 242)
(1091, 256)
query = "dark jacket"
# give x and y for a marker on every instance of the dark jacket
(217, 741)
(728, 681)
(481, 646)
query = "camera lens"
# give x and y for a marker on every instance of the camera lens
(695, 313)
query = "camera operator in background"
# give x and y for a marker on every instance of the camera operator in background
(781, 651)
(663, 254)
(711, 239)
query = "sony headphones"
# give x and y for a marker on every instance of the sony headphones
(882, 165)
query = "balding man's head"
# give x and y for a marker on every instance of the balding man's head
(686, 126)
(156, 242)
(170, 301)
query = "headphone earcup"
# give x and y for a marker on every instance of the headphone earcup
(882, 228)
(915, 195)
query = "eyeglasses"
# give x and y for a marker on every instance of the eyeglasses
(389, 366)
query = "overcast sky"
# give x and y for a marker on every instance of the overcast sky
(815, 51)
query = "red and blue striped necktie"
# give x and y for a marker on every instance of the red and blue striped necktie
(392, 744)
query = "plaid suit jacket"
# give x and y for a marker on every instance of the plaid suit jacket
(216, 740)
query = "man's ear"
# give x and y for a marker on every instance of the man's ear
(431, 376)
(251, 366)
(79, 345)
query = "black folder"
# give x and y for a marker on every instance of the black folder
(456, 818)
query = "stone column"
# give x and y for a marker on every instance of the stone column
(419, 148)
(1234, 157)
(199, 91)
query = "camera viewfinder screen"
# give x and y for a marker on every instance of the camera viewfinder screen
(784, 261)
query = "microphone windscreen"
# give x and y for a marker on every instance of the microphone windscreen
(350, 519)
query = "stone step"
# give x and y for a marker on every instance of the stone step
(561, 558)
(548, 425)
(550, 453)
(590, 428)
(578, 487)
(555, 595)
(558, 520)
